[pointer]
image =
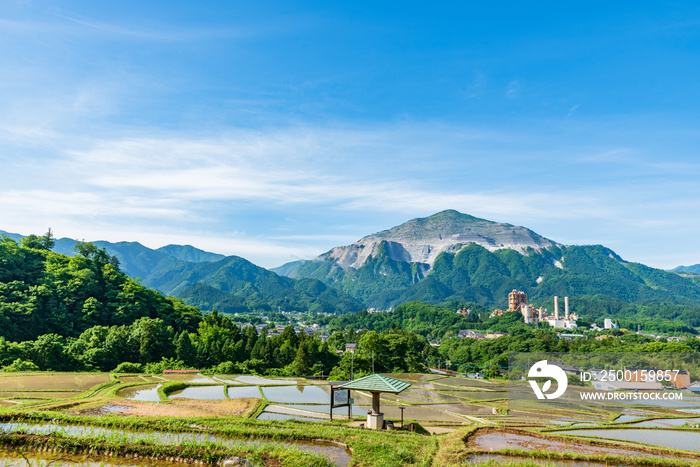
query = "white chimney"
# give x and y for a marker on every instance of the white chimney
(556, 308)
(566, 307)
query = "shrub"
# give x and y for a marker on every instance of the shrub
(20, 365)
(128, 367)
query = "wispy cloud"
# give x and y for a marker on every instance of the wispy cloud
(166, 188)
(572, 110)
(513, 90)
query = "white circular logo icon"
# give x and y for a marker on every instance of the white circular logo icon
(542, 369)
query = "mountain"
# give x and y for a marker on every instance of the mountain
(448, 256)
(234, 284)
(190, 254)
(421, 241)
(212, 281)
(454, 256)
(694, 269)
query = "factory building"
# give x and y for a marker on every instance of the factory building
(532, 315)
(516, 300)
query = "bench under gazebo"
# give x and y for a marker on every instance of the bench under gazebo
(376, 384)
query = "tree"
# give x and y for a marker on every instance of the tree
(45, 242)
(154, 339)
(185, 350)
(49, 353)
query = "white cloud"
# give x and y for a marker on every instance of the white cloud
(167, 189)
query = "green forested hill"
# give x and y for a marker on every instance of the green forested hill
(43, 292)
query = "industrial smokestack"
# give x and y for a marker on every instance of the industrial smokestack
(566, 307)
(556, 308)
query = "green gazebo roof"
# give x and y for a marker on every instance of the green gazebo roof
(377, 383)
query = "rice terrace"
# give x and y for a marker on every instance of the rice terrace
(106, 419)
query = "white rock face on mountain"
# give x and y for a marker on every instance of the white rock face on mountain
(422, 240)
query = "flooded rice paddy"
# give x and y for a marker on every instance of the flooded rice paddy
(244, 392)
(674, 439)
(494, 440)
(325, 409)
(14, 459)
(189, 378)
(336, 454)
(247, 379)
(146, 393)
(481, 459)
(667, 422)
(200, 393)
(297, 394)
(54, 382)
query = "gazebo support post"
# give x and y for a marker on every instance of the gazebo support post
(375, 419)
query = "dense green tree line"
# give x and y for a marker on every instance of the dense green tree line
(479, 355)
(218, 345)
(438, 321)
(429, 321)
(64, 313)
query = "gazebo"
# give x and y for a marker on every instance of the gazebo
(376, 384)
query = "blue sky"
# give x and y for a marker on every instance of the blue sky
(277, 130)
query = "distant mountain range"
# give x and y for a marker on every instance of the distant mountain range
(229, 284)
(443, 257)
(694, 269)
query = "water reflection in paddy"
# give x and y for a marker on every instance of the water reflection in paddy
(189, 378)
(686, 440)
(248, 379)
(356, 409)
(224, 379)
(627, 418)
(297, 395)
(243, 392)
(199, 392)
(668, 422)
(148, 393)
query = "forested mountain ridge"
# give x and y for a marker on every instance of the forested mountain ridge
(211, 281)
